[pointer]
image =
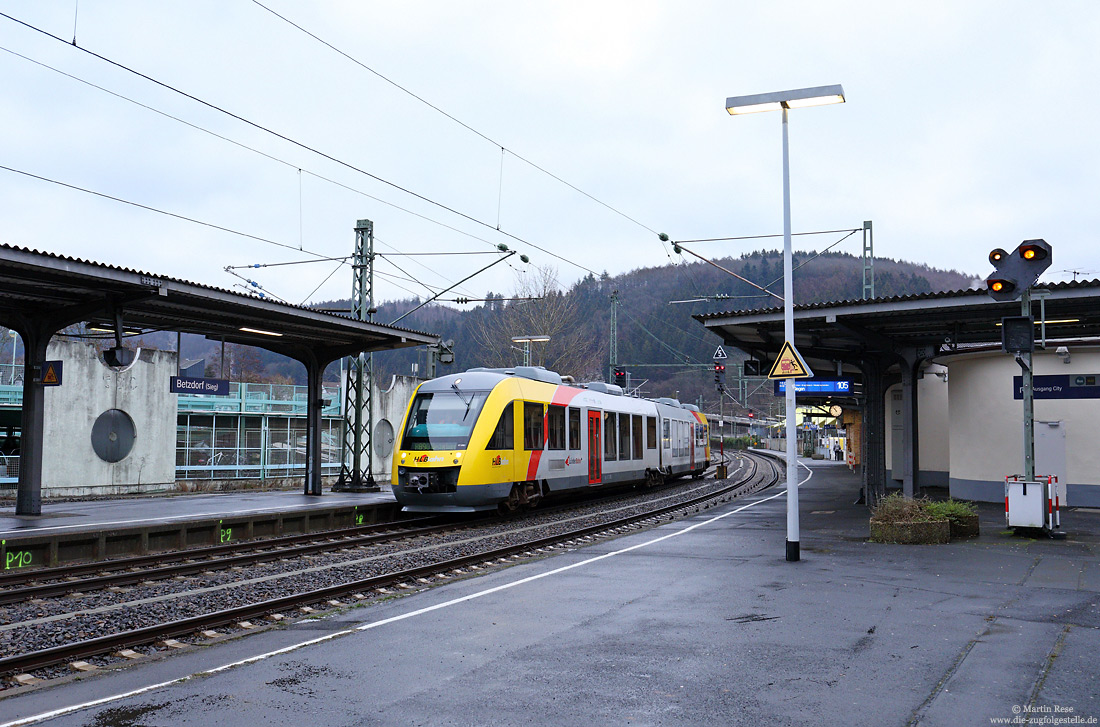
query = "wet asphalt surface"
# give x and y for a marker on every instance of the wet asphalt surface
(699, 621)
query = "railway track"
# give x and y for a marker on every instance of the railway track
(411, 566)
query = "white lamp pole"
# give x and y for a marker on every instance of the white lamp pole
(785, 100)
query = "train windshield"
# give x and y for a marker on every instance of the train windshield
(442, 420)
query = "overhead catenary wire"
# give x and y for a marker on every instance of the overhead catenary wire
(815, 257)
(290, 140)
(503, 148)
(158, 210)
(275, 159)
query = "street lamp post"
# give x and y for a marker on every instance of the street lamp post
(786, 100)
(527, 341)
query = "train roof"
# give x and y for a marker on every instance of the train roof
(486, 378)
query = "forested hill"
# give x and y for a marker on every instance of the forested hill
(651, 328)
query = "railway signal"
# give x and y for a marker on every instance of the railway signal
(620, 377)
(719, 374)
(1017, 271)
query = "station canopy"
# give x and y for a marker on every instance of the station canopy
(933, 323)
(36, 286)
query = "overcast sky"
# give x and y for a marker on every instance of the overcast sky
(968, 126)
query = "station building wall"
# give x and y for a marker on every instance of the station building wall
(933, 454)
(70, 466)
(986, 424)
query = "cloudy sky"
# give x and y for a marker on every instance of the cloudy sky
(579, 129)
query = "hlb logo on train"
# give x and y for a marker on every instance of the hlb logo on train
(498, 461)
(425, 458)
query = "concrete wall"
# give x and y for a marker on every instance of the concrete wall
(934, 432)
(70, 466)
(986, 425)
(390, 404)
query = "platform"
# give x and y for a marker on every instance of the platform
(98, 529)
(699, 621)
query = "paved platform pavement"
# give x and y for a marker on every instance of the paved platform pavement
(700, 621)
(97, 515)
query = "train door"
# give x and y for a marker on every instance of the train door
(691, 436)
(666, 444)
(595, 447)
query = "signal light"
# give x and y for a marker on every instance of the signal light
(1033, 252)
(719, 373)
(620, 377)
(1019, 271)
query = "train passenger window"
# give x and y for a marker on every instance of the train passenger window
(609, 438)
(502, 436)
(651, 432)
(532, 425)
(666, 438)
(555, 427)
(575, 429)
(636, 426)
(624, 436)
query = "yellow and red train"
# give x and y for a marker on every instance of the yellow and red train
(505, 438)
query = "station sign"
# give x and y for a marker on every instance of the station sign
(1060, 386)
(815, 387)
(193, 385)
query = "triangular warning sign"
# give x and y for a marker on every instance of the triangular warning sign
(789, 364)
(720, 354)
(50, 377)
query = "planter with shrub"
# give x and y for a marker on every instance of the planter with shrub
(961, 516)
(899, 519)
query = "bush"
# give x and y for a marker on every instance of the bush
(954, 510)
(900, 509)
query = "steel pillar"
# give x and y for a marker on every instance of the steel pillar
(358, 401)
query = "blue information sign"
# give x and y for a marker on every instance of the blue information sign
(814, 387)
(1060, 386)
(189, 385)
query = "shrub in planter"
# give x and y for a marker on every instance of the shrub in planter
(898, 519)
(962, 517)
(918, 532)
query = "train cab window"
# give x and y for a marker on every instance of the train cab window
(555, 427)
(624, 436)
(636, 428)
(574, 429)
(609, 438)
(532, 426)
(503, 435)
(651, 432)
(442, 419)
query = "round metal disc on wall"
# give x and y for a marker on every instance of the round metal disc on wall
(383, 438)
(113, 435)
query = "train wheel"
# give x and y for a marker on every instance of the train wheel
(513, 503)
(653, 478)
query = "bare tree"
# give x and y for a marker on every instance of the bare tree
(553, 314)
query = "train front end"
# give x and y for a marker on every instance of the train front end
(434, 468)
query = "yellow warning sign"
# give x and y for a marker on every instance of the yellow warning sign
(789, 364)
(51, 373)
